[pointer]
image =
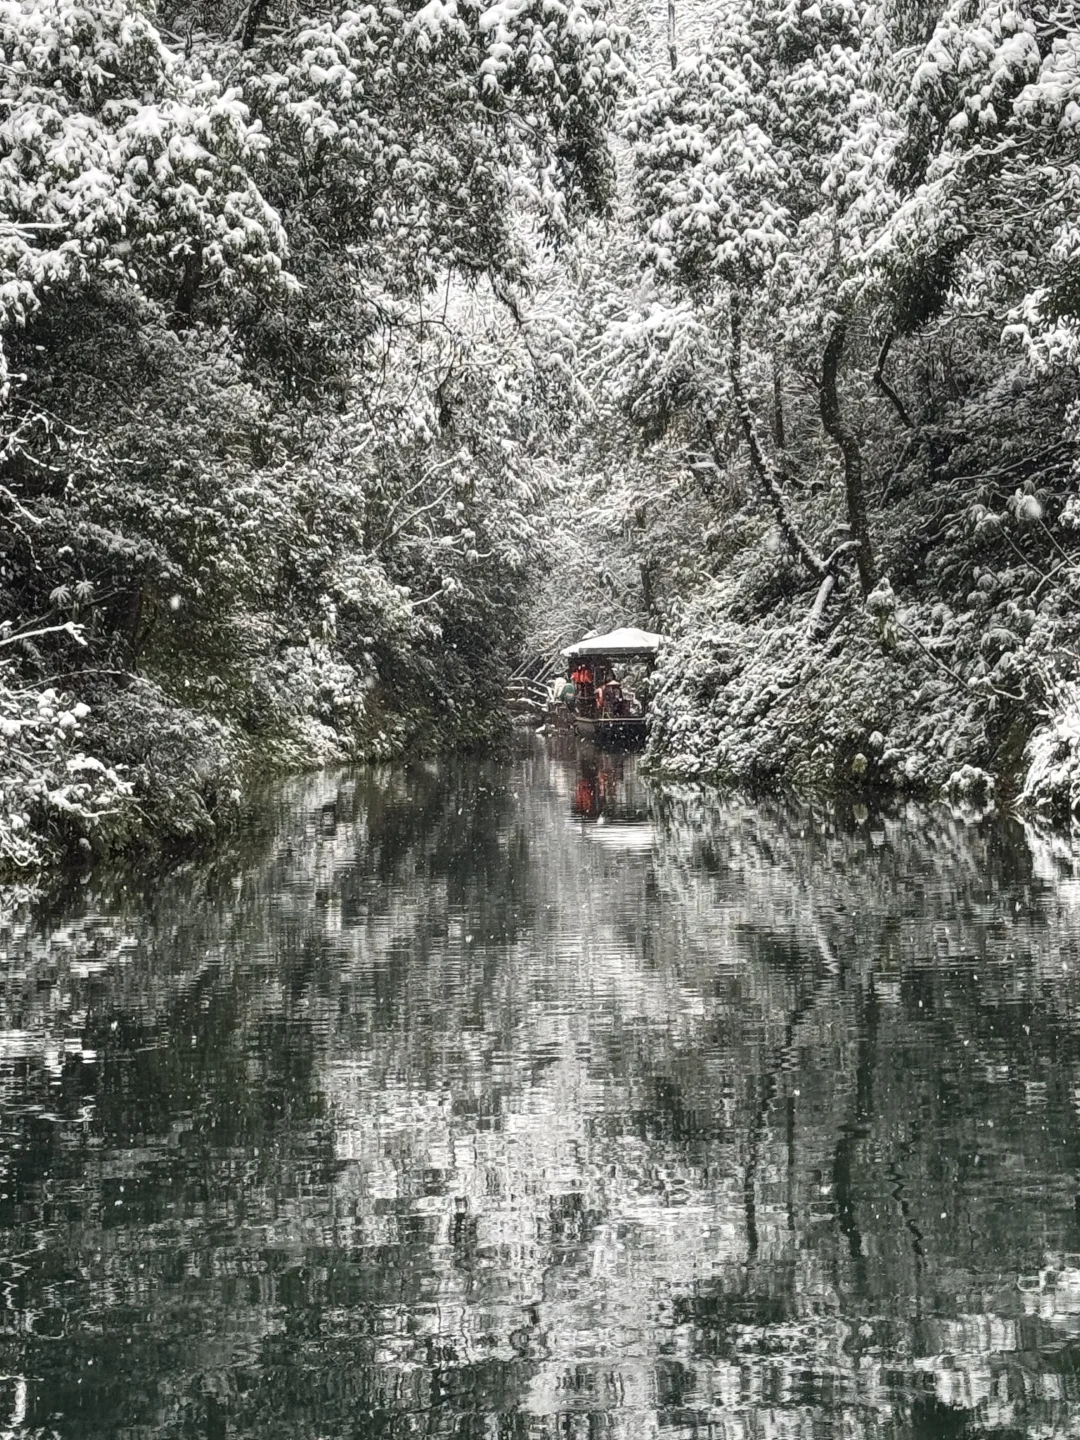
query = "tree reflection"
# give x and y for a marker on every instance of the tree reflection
(432, 1111)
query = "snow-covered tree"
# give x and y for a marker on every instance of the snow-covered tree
(119, 160)
(735, 155)
(272, 436)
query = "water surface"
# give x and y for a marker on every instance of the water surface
(518, 1100)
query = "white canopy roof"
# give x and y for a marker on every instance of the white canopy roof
(624, 642)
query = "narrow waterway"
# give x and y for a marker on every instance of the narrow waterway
(520, 1100)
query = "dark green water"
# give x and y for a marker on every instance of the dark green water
(515, 1101)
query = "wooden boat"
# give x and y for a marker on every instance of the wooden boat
(619, 723)
(625, 732)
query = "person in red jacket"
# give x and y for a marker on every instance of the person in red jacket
(583, 679)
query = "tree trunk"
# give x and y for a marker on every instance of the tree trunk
(134, 625)
(844, 438)
(759, 462)
(184, 308)
(648, 599)
(779, 438)
(252, 20)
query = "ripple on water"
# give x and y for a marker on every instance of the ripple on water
(523, 1100)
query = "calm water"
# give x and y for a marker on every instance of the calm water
(519, 1101)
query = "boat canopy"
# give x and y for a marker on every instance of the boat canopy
(625, 644)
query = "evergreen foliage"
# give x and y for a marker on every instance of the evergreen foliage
(273, 457)
(334, 343)
(841, 398)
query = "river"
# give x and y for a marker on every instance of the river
(517, 1100)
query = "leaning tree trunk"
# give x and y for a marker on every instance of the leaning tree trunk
(844, 438)
(759, 462)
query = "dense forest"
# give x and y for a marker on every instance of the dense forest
(349, 353)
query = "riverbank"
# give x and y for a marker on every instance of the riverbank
(870, 709)
(129, 771)
(954, 674)
(900, 694)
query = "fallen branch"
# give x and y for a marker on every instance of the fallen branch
(817, 610)
(828, 585)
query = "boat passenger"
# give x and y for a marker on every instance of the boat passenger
(611, 699)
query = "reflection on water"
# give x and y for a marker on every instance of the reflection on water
(609, 792)
(519, 1101)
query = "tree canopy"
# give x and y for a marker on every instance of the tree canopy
(274, 431)
(346, 353)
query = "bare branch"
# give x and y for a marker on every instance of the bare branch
(414, 515)
(428, 474)
(886, 389)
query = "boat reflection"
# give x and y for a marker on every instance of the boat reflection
(609, 795)
(440, 1108)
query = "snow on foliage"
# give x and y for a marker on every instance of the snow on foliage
(856, 330)
(278, 408)
(97, 177)
(51, 793)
